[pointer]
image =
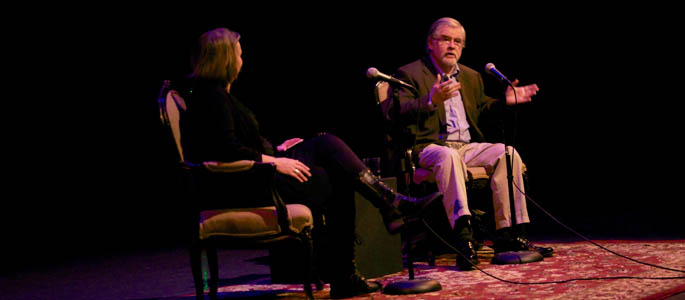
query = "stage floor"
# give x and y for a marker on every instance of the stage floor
(165, 274)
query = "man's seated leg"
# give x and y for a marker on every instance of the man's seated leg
(463, 234)
(507, 238)
(449, 171)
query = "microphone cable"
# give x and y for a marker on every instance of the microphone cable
(515, 120)
(590, 241)
(541, 282)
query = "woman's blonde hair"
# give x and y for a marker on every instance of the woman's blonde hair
(215, 56)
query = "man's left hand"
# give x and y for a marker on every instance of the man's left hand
(523, 93)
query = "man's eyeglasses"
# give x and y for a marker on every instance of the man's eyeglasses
(446, 40)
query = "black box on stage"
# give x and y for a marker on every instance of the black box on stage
(378, 253)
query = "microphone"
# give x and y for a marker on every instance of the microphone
(490, 69)
(373, 73)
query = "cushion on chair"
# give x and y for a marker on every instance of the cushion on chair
(479, 173)
(425, 175)
(252, 222)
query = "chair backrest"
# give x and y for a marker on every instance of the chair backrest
(381, 91)
(171, 105)
(382, 94)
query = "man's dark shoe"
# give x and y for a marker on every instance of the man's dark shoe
(544, 251)
(520, 244)
(353, 286)
(466, 258)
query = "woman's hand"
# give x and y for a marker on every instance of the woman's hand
(293, 167)
(289, 166)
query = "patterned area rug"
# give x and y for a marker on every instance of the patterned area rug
(574, 262)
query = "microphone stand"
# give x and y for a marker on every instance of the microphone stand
(513, 257)
(412, 285)
(510, 175)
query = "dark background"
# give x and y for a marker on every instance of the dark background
(90, 168)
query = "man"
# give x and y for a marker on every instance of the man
(443, 114)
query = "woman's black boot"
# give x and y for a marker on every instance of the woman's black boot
(397, 210)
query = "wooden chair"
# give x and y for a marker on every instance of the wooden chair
(256, 227)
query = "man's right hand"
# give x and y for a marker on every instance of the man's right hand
(442, 91)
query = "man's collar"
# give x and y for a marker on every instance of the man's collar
(438, 70)
(456, 71)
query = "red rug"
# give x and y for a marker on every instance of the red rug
(575, 261)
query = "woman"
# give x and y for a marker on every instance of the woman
(322, 172)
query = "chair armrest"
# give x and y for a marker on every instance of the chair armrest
(228, 167)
